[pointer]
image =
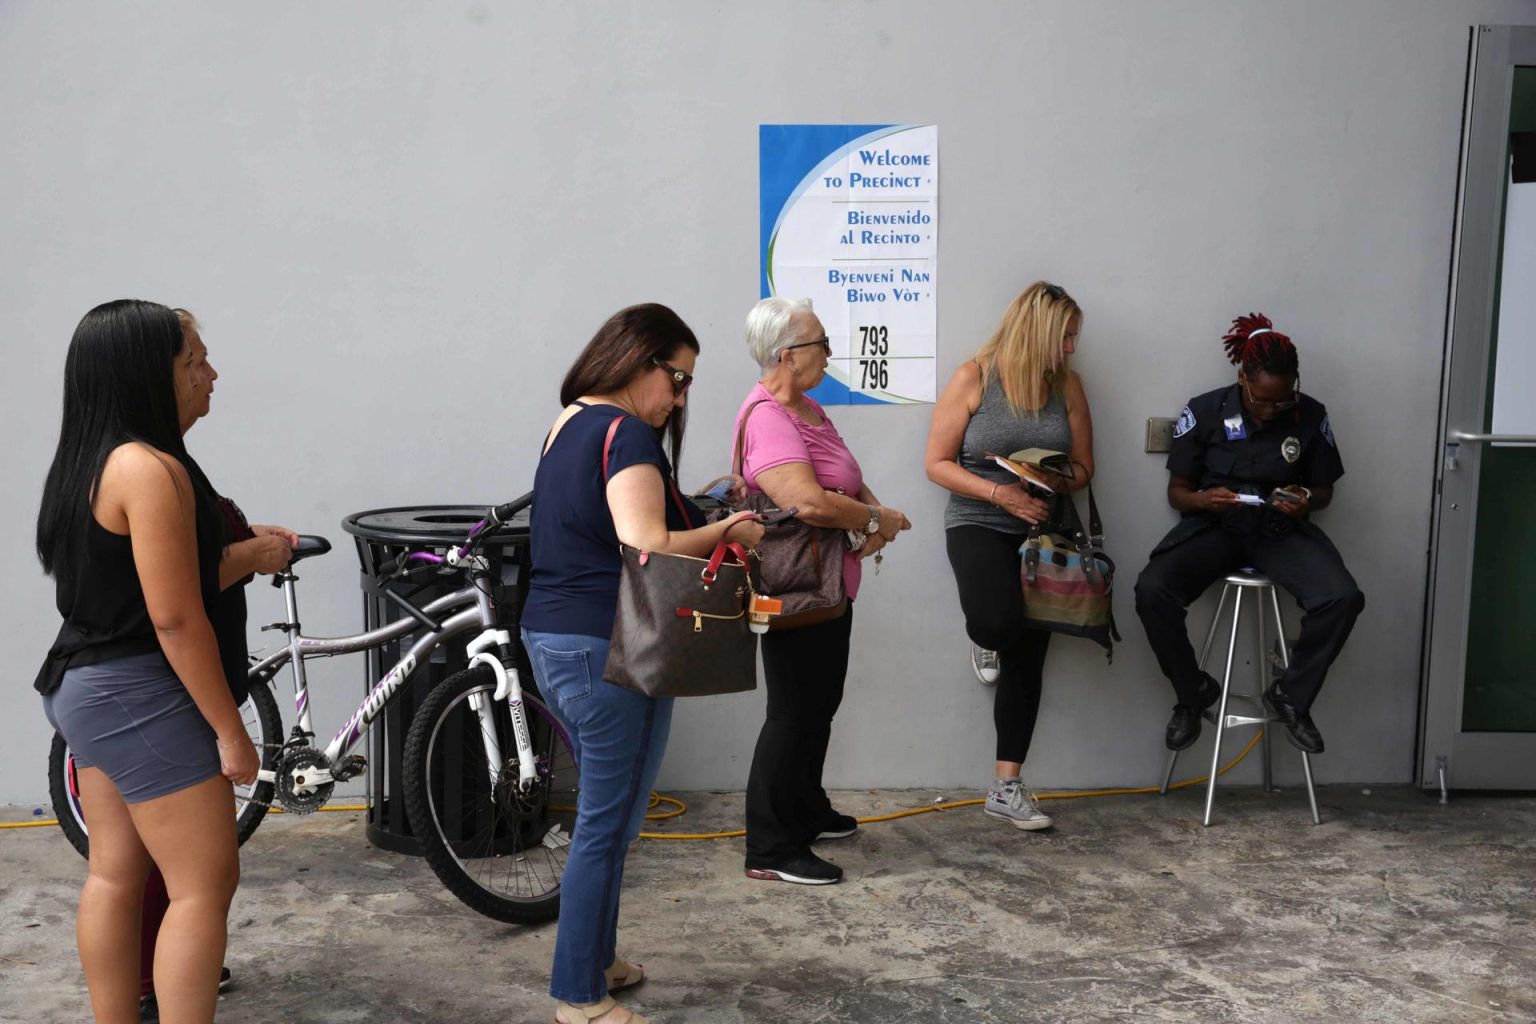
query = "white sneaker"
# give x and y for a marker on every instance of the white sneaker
(985, 664)
(1012, 801)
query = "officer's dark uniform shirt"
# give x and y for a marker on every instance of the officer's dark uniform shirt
(1215, 444)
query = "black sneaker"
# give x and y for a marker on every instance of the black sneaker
(806, 869)
(1299, 729)
(839, 826)
(149, 1008)
(1184, 726)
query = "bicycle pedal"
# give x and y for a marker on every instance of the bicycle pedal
(348, 767)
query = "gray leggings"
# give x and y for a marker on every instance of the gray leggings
(132, 718)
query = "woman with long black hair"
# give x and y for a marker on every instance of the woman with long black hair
(137, 683)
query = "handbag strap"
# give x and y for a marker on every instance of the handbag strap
(738, 459)
(1087, 543)
(1073, 522)
(677, 499)
(1095, 527)
(717, 559)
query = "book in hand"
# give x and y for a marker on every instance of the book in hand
(1059, 463)
(1029, 474)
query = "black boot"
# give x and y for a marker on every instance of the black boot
(1184, 726)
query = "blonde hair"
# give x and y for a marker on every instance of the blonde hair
(1026, 351)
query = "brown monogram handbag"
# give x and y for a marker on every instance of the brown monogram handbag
(799, 564)
(680, 629)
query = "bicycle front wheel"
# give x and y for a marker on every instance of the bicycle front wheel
(496, 846)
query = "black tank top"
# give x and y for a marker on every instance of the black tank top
(102, 603)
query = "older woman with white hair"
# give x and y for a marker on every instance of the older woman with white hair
(793, 453)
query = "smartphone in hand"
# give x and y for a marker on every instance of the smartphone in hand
(1284, 494)
(777, 516)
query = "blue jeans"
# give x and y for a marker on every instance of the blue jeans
(619, 737)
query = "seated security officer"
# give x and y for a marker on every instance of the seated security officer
(1249, 462)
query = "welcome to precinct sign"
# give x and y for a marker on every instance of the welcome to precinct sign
(850, 220)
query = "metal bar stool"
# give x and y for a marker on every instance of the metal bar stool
(1264, 592)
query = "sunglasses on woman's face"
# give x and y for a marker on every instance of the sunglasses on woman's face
(826, 345)
(681, 381)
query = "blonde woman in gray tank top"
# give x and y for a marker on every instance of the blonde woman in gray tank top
(1018, 391)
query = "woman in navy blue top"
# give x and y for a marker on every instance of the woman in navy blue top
(636, 370)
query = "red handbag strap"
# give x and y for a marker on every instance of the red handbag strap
(613, 428)
(710, 571)
(677, 499)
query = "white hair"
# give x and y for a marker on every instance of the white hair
(768, 327)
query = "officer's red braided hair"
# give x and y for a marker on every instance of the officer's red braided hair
(1255, 345)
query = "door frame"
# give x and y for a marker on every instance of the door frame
(1447, 755)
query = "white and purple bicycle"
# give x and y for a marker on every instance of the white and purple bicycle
(487, 772)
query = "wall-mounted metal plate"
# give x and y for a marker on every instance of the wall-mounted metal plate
(1159, 434)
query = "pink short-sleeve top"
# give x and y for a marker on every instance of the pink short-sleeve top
(775, 436)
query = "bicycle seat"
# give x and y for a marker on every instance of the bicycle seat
(309, 545)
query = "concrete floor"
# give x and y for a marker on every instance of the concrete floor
(1394, 909)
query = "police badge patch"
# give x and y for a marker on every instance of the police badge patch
(1186, 423)
(1328, 433)
(1290, 448)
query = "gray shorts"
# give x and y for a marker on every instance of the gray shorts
(132, 718)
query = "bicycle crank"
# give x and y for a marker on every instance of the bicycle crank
(303, 780)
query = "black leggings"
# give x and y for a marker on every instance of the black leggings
(986, 565)
(786, 804)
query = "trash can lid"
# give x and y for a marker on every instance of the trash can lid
(429, 524)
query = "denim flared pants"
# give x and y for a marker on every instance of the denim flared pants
(619, 737)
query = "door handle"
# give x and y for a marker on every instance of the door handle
(1456, 438)
(1463, 435)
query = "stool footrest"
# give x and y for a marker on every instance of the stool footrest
(1259, 717)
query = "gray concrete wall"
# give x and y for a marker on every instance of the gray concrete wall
(399, 224)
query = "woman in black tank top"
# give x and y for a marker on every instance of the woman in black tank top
(143, 556)
(1018, 392)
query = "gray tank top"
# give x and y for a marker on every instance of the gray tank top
(995, 428)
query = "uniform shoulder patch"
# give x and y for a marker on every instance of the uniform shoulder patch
(1187, 422)
(1327, 432)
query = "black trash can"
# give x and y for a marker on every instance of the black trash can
(383, 536)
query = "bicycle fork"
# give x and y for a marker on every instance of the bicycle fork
(509, 688)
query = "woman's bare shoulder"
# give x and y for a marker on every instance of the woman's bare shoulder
(136, 463)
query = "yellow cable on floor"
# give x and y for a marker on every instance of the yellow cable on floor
(657, 799)
(680, 808)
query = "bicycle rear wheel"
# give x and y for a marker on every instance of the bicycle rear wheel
(263, 724)
(497, 848)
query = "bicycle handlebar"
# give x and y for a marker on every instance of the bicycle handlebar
(502, 514)
(495, 517)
